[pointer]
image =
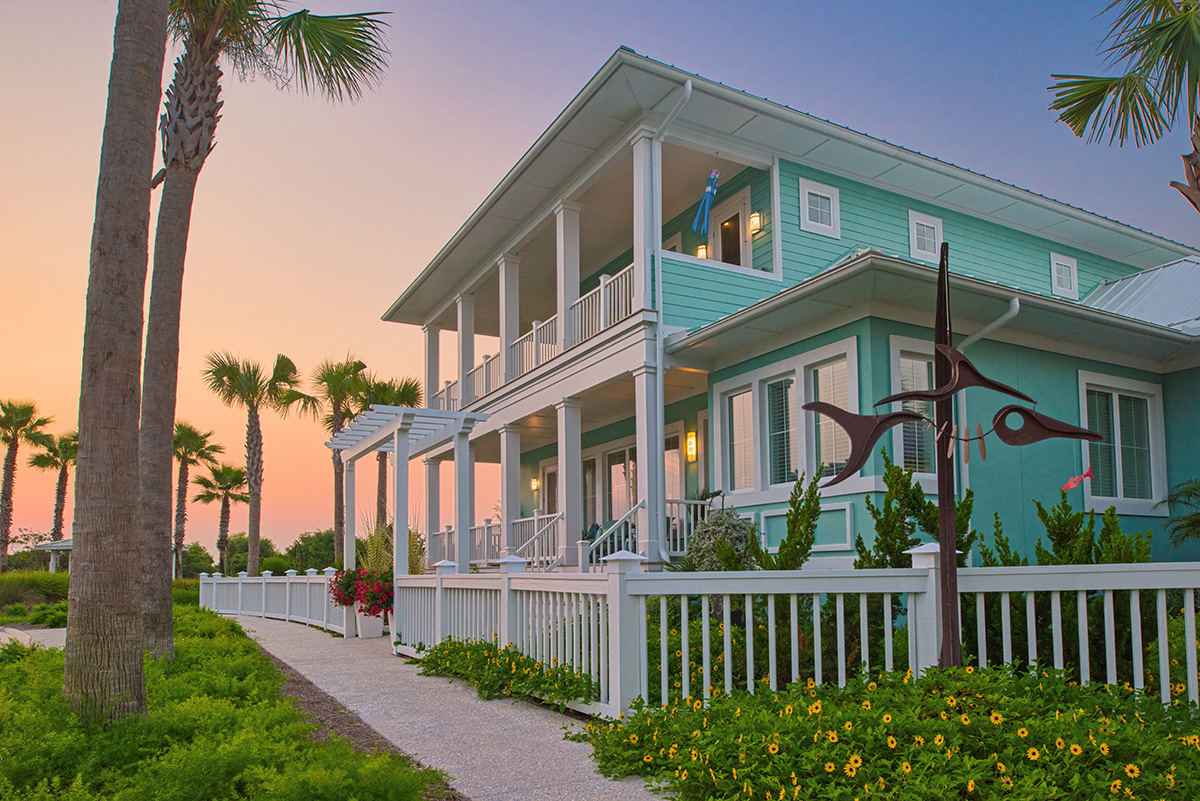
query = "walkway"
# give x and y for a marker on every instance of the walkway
(492, 750)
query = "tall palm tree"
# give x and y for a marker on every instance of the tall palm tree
(242, 383)
(192, 447)
(337, 56)
(227, 484)
(103, 672)
(372, 390)
(19, 422)
(57, 453)
(334, 386)
(1154, 46)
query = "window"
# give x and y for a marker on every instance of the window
(831, 444)
(729, 231)
(924, 237)
(739, 422)
(550, 491)
(673, 243)
(673, 467)
(916, 374)
(781, 416)
(622, 482)
(1129, 465)
(1064, 278)
(819, 212)
(589, 492)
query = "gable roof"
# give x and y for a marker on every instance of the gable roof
(630, 87)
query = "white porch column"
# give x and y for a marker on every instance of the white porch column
(510, 482)
(645, 238)
(462, 499)
(510, 312)
(570, 477)
(400, 500)
(566, 216)
(649, 462)
(466, 343)
(433, 499)
(471, 487)
(348, 543)
(432, 358)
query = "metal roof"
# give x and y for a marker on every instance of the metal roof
(56, 545)
(1168, 295)
(372, 430)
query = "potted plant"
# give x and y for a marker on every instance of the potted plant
(374, 594)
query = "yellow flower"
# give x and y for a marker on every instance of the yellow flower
(738, 712)
(1171, 781)
(939, 740)
(907, 768)
(1076, 750)
(970, 783)
(887, 718)
(856, 761)
(966, 721)
(830, 767)
(919, 740)
(1006, 781)
(788, 709)
(633, 738)
(872, 686)
(1000, 767)
(850, 770)
(849, 725)
(698, 704)
(950, 701)
(1104, 748)
(773, 748)
(647, 758)
(1033, 754)
(1060, 744)
(1115, 787)
(891, 741)
(833, 736)
(1022, 732)
(810, 684)
(1132, 771)
(997, 718)
(971, 669)
(943, 714)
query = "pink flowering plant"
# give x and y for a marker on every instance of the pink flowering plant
(342, 587)
(374, 592)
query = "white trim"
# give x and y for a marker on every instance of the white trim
(1071, 291)
(738, 203)
(1144, 507)
(846, 507)
(675, 239)
(703, 446)
(776, 220)
(915, 217)
(720, 265)
(834, 229)
(919, 347)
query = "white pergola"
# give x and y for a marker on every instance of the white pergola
(407, 433)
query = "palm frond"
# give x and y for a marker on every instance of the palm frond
(1125, 106)
(337, 55)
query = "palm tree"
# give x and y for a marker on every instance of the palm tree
(19, 422)
(227, 484)
(57, 453)
(244, 383)
(191, 448)
(391, 392)
(335, 385)
(1187, 525)
(336, 55)
(103, 672)
(1154, 45)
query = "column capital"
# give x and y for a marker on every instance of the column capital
(464, 297)
(567, 205)
(510, 428)
(643, 369)
(569, 403)
(508, 258)
(642, 132)
(430, 328)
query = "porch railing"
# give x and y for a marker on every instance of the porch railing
(620, 536)
(486, 543)
(542, 549)
(484, 378)
(447, 398)
(535, 348)
(605, 305)
(683, 518)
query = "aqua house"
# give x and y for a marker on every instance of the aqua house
(619, 365)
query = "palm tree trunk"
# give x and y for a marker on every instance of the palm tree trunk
(181, 486)
(223, 532)
(60, 503)
(6, 499)
(159, 383)
(381, 491)
(103, 673)
(254, 482)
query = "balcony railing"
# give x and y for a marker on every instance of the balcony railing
(536, 348)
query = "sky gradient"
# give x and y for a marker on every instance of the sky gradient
(311, 218)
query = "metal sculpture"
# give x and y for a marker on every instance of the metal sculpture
(953, 373)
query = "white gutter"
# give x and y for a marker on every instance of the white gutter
(660, 393)
(1014, 308)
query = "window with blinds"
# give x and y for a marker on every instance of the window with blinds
(739, 422)
(1121, 461)
(781, 427)
(916, 374)
(831, 444)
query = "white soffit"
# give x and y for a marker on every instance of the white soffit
(976, 199)
(915, 180)
(850, 158)
(775, 135)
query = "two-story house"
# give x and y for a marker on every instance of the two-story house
(633, 363)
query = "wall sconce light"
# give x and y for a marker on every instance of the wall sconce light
(702, 252)
(755, 222)
(691, 446)
(534, 484)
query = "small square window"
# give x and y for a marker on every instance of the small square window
(924, 237)
(1064, 277)
(819, 212)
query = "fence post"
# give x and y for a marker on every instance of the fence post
(441, 615)
(287, 594)
(329, 573)
(241, 588)
(924, 620)
(312, 571)
(202, 577)
(584, 555)
(605, 311)
(509, 620)
(624, 664)
(262, 610)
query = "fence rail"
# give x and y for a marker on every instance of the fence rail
(295, 597)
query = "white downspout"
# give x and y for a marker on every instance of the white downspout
(659, 372)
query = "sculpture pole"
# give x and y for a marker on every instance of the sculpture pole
(944, 444)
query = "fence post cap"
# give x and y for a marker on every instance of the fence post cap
(242, 574)
(926, 555)
(290, 573)
(218, 575)
(205, 575)
(312, 571)
(446, 566)
(623, 561)
(512, 564)
(329, 571)
(926, 547)
(267, 574)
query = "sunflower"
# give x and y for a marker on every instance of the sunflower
(1060, 744)
(855, 760)
(1115, 787)
(891, 741)
(907, 768)
(1076, 749)
(1033, 754)
(647, 758)
(1132, 771)
(939, 740)
(1104, 748)
(997, 718)
(887, 718)
(830, 767)
(773, 748)
(850, 770)
(1022, 732)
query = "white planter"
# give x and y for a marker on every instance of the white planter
(369, 626)
(391, 625)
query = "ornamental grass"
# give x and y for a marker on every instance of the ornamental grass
(953, 734)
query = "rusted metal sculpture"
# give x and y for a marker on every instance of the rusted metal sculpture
(953, 373)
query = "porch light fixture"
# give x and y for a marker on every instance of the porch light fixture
(755, 222)
(691, 446)
(702, 252)
(534, 484)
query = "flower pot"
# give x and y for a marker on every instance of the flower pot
(369, 626)
(391, 625)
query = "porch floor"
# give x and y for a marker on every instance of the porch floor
(492, 750)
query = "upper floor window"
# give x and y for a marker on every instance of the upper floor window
(924, 237)
(1064, 277)
(729, 231)
(819, 209)
(1128, 466)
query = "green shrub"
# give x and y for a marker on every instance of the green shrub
(31, 587)
(961, 733)
(185, 592)
(503, 673)
(278, 565)
(49, 616)
(704, 549)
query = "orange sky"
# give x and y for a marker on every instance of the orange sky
(310, 218)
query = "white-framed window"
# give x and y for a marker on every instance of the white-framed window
(739, 428)
(1129, 466)
(729, 231)
(781, 430)
(819, 209)
(828, 381)
(924, 237)
(702, 451)
(673, 243)
(913, 443)
(1064, 277)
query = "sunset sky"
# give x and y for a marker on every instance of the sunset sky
(311, 218)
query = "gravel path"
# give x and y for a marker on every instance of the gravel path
(493, 750)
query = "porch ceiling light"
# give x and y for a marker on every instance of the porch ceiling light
(691, 446)
(534, 484)
(702, 252)
(755, 222)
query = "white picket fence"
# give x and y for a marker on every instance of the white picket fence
(299, 598)
(748, 630)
